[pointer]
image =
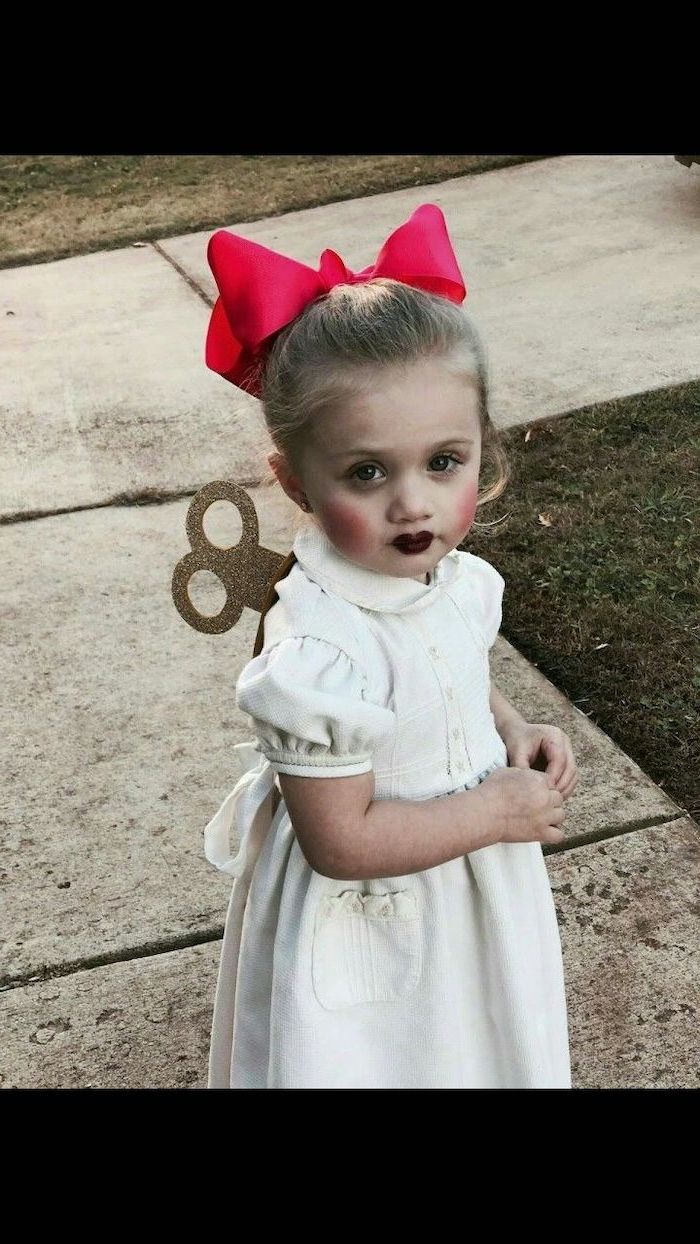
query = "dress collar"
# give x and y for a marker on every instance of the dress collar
(370, 589)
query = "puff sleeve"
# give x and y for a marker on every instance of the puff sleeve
(307, 699)
(489, 586)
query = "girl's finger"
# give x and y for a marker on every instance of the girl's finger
(557, 767)
(569, 786)
(569, 764)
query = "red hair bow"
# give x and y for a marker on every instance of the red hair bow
(262, 291)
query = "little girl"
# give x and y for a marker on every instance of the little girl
(391, 924)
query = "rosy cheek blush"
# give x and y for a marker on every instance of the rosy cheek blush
(348, 530)
(466, 507)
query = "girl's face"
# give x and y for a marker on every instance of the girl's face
(398, 460)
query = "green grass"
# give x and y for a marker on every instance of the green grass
(54, 206)
(606, 600)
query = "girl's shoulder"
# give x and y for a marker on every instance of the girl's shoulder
(478, 573)
(482, 587)
(309, 690)
(305, 611)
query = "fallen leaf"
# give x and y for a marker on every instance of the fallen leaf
(600, 646)
(545, 520)
(139, 243)
(539, 429)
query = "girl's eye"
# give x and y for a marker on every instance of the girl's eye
(365, 479)
(450, 460)
(447, 458)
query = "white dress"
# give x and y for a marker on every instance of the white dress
(447, 978)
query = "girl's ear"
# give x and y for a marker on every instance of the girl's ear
(288, 481)
(274, 460)
(279, 466)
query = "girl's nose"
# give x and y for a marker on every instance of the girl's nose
(409, 505)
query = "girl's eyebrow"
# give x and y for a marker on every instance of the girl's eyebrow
(359, 453)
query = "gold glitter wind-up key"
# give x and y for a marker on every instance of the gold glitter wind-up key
(247, 571)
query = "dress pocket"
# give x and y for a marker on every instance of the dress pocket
(366, 948)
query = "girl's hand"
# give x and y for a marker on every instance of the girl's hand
(531, 745)
(519, 805)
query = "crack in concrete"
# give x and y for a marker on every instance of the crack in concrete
(146, 951)
(611, 831)
(148, 497)
(197, 289)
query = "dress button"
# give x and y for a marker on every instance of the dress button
(455, 734)
(434, 652)
(449, 693)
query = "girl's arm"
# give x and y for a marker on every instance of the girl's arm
(346, 834)
(504, 712)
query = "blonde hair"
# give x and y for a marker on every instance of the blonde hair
(338, 343)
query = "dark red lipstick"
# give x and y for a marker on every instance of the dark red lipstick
(414, 544)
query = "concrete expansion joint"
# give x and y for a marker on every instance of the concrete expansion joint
(612, 831)
(147, 951)
(197, 289)
(150, 497)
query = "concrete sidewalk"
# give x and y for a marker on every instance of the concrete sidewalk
(583, 274)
